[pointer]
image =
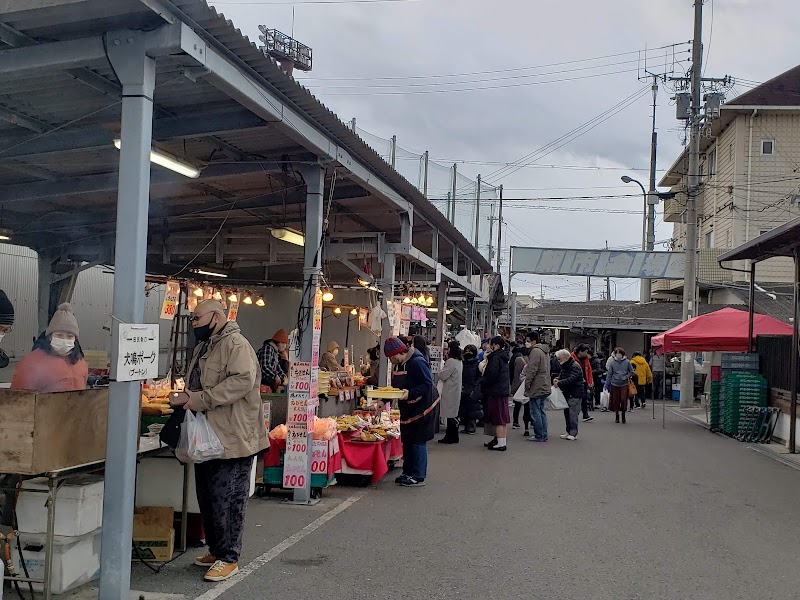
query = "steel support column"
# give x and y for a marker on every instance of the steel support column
(441, 315)
(751, 308)
(136, 72)
(513, 316)
(387, 287)
(312, 267)
(794, 357)
(45, 293)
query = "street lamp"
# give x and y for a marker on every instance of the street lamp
(644, 289)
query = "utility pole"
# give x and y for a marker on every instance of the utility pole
(425, 175)
(693, 188)
(588, 289)
(490, 256)
(500, 230)
(608, 282)
(478, 213)
(393, 152)
(452, 212)
(652, 198)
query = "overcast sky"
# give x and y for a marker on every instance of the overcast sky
(407, 40)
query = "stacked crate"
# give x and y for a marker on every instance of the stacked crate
(714, 413)
(733, 363)
(742, 390)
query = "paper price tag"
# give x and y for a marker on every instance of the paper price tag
(319, 457)
(171, 299)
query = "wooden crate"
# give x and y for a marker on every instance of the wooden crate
(44, 432)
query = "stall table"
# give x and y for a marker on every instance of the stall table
(369, 458)
(148, 446)
(320, 479)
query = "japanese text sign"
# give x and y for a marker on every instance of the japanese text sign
(171, 299)
(137, 352)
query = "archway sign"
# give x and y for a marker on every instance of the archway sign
(597, 263)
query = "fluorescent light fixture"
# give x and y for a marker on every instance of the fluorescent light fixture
(5, 235)
(210, 273)
(449, 310)
(168, 161)
(363, 282)
(289, 235)
(260, 301)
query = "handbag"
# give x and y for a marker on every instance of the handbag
(171, 432)
(632, 390)
(557, 399)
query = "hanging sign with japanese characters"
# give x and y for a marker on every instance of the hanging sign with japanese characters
(171, 299)
(137, 354)
(233, 310)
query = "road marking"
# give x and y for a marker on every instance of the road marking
(219, 589)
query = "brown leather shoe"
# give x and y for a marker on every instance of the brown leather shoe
(205, 561)
(220, 571)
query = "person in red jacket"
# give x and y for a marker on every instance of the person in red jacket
(56, 363)
(581, 356)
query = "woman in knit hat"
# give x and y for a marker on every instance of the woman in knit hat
(56, 363)
(329, 361)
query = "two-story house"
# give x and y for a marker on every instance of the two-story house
(750, 183)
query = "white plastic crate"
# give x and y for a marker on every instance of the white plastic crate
(76, 560)
(79, 507)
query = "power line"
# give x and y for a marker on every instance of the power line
(511, 70)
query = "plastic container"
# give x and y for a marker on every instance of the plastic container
(76, 560)
(79, 507)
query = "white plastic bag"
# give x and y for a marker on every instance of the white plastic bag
(604, 399)
(198, 442)
(557, 399)
(519, 395)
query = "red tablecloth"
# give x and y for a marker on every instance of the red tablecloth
(272, 458)
(370, 456)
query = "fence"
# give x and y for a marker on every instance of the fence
(775, 352)
(456, 196)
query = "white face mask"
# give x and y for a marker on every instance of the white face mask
(619, 356)
(335, 352)
(528, 345)
(62, 347)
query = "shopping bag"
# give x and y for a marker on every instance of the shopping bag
(557, 400)
(198, 441)
(519, 395)
(632, 391)
(605, 397)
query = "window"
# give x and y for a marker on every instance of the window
(712, 164)
(710, 239)
(767, 147)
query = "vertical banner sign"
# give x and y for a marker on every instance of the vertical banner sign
(295, 461)
(317, 328)
(313, 399)
(363, 317)
(233, 310)
(405, 319)
(319, 457)
(171, 299)
(436, 359)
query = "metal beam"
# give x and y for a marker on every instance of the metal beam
(17, 118)
(169, 128)
(54, 56)
(108, 182)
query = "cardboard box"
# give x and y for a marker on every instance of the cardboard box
(153, 534)
(45, 432)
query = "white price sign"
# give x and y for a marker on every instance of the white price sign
(319, 457)
(137, 353)
(295, 461)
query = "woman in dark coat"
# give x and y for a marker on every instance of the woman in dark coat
(471, 409)
(496, 388)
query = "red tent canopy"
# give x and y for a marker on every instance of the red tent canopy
(723, 330)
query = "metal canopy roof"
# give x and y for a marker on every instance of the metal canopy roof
(781, 241)
(250, 135)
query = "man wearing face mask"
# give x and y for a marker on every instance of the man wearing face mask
(329, 360)
(56, 363)
(269, 358)
(223, 381)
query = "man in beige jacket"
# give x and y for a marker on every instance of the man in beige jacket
(223, 381)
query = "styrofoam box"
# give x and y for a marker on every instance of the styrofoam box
(159, 482)
(76, 560)
(79, 507)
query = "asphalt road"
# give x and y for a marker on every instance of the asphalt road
(626, 512)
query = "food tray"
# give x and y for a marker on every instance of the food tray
(385, 394)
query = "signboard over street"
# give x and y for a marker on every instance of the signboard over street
(597, 263)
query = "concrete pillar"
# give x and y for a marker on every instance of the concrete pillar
(387, 287)
(314, 177)
(136, 72)
(441, 315)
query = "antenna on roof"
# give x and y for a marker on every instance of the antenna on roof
(289, 53)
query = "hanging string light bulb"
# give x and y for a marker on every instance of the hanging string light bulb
(327, 295)
(337, 310)
(260, 301)
(248, 299)
(354, 311)
(218, 296)
(198, 291)
(421, 299)
(233, 297)
(429, 300)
